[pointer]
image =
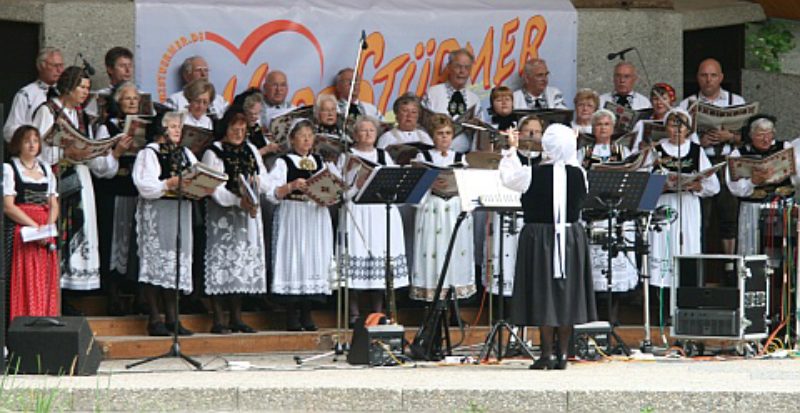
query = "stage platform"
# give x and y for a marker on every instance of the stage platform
(274, 382)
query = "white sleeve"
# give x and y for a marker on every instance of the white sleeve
(221, 194)
(52, 184)
(558, 99)
(146, 171)
(383, 140)
(264, 180)
(102, 132)
(277, 177)
(513, 174)
(8, 180)
(43, 120)
(104, 166)
(17, 116)
(742, 187)
(710, 184)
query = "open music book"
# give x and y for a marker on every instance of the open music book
(626, 117)
(732, 118)
(324, 188)
(630, 164)
(687, 179)
(136, 126)
(199, 178)
(403, 153)
(196, 138)
(782, 164)
(62, 134)
(445, 184)
(248, 190)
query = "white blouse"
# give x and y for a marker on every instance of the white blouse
(277, 175)
(222, 195)
(147, 169)
(398, 137)
(710, 185)
(201, 122)
(9, 187)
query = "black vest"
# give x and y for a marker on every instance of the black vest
(255, 135)
(293, 172)
(690, 164)
(28, 192)
(171, 161)
(236, 161)
(122, 183)
(429, 158)
(537, 201)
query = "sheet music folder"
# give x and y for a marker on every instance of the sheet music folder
(403, 185)
(638, 191)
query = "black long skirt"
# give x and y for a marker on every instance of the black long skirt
(541, 300)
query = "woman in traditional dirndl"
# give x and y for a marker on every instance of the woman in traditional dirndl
(30, 200)
(156, 175)
(553, 283)
(234, 232)
(302, 241)
(436, 219)
(366, 225)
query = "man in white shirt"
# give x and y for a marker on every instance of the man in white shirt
(535, 92)
(49, 65)
(341, 88)
(722, 208)
(452, 97)
(276, 90)
(625, 78)
(194, 68)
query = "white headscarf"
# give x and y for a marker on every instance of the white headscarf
(559, 145)
(679, 111)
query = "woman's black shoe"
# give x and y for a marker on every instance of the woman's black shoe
(158, 329)
(310, 327)
(181, 330)
(543, 363)
(561, 363)
(241, 327)
(220, 329)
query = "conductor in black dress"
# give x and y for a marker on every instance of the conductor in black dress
(553, 286)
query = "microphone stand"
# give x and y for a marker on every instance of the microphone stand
(175, 348)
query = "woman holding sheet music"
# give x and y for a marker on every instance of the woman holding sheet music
(81, 269)
(156, 176)
(30, 200)
(116, 198)
(678, 155)
(303, 235)
(366, 225)
(436, 219)
(234, 253)
(756, 190)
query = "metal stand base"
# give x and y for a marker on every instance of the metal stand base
(174, 351)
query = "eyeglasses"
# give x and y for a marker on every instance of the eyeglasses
(461, 67)
(54, 65)
(201, 69)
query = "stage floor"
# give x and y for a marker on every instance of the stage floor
(274, 382)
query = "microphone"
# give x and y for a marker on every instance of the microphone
(86, 66)
(51, 246)
(621, 54)
(363, 40)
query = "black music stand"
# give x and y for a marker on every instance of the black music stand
(388, 186)
(615, 193)
(501, 324)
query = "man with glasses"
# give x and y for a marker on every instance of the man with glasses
(453, 98)
(194, 68)
(625, 78)
(358, 108)
(536, 92)
(49, 65)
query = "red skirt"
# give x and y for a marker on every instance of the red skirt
(34, 271)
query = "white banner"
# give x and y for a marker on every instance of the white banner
(311, 41)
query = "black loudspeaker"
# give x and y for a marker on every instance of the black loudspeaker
(53, 345)
(380, 345)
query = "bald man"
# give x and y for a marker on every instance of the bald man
(276, 91)
(193, 68)
(722, 208)
(625, 78)
(536, 92)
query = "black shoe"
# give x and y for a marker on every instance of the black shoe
(561, 363)
(306, 321)
(543, 363)
(220, 329)
(293, 321)
(240, 327)
(181, 330)
(158, 329)
(310, 327)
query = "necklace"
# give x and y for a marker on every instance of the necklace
(30, 168)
